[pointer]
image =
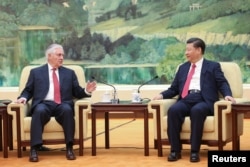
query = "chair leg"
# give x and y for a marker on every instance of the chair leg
(81, 149)
(155, 144)
(159, 146)
(1, 134)
(19, 151)
(220, 147)
(10, 133)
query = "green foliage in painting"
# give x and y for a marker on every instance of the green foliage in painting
(122, 41)
(209, 10)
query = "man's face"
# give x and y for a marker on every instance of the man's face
(56, 59)
(193, 54)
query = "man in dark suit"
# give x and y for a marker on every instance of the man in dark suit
(202, 92)
(40, 87)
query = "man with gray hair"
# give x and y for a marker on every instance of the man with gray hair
(52, 98)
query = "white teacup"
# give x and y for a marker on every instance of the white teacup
(106, 97)
(136, 97)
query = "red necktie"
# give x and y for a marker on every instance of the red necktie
(57, 94)
(187, 83)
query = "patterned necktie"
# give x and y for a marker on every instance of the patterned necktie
(57, 94)
(187, 83)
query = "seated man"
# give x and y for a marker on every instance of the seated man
(197, 83)
(52, 88)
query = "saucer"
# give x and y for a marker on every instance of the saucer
(5, 101)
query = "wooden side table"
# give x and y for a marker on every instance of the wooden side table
(120, 107)
(237, 109)
(6, 133)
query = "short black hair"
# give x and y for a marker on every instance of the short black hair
(198, 43)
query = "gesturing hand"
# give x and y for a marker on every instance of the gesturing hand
(91, 86)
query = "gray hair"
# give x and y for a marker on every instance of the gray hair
(51, 49)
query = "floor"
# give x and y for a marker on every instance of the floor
(126, 141)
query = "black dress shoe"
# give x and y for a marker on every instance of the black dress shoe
(70, 154)
(194, 157)
(174, 156)
(33, 155)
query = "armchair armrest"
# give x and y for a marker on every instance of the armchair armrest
(16, 107)
(227, 105)
(164, 105)
(159, 108)
(222, 109)
(82, 107)
(83, 103)
(18, 112)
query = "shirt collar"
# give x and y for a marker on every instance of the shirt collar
(50, 67)
(199, 63)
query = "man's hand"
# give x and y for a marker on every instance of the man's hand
(229, 98)
(158, 97)
(91, 86)
(21, 100)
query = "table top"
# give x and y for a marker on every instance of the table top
(122, 106)
(122, 102)
(241, 104)
(243, 107)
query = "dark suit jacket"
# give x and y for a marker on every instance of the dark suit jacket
(37, 85)
(212, 81)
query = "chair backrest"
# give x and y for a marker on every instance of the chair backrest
(26, 71)
(233, 74)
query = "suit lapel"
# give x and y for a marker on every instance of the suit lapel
(61, 76)
(203, 71)
(186, 68)
(45, 74)
(184, 73)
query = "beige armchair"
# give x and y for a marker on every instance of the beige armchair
(53, 132)
(217, 129)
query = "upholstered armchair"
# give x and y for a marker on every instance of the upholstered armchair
(53, 132)
(217, 129)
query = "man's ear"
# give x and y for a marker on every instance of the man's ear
(199, 50)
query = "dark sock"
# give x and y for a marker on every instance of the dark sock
(69, 144)
(36, 147)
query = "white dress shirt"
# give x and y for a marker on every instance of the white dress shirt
(50, 94)
(195, 81)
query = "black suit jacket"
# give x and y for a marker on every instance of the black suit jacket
(37, 85)
(212, 82)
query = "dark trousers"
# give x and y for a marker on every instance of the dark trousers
(41, 114)
(194, 107)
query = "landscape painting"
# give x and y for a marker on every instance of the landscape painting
(123, 42)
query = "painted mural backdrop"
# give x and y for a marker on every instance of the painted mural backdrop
(122, 41)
